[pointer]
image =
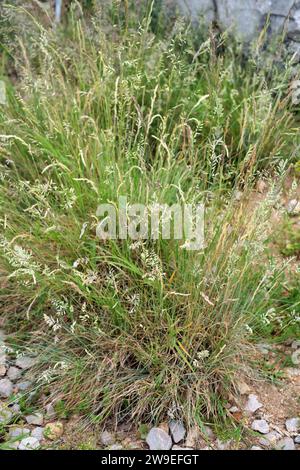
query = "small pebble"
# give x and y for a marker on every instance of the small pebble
(14, 373)
(29, 443)
(293, 207)
(158, 439)
(2, 370)
(253, 404)
(38, 433)
(297, 439)
(256, 448)
(6, 388)
(18, 432)
(37, 419)
(177, 430)
(23, 386)
(270, 438)
(107, 438)
(234, 409)
(293, 425)
(286, 443)
(50, 411)
(260, 425)
(25, 362)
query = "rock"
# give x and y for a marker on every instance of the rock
(107, 438)
(14, 373)
(297, 439)
(25, 362)
(158, 439)
(29, 443)
(50, 411)
(234, 409)
(242, 387)
(293, 425)
(37, 419)
(38, 433)
(177, 430)
(2, 370)
(23, 386)
(18, 432)
(295, 344)
(270, 439)
(293, 207)
(53, 431)
(256, 448)
(6, 388)
(260, 425)
(253, 404)
(203, 10)
(286, 443)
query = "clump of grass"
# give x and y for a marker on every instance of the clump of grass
(136, 330)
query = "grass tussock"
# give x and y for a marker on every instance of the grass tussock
(139, 330)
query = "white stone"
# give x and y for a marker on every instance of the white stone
(22, 386)
(18, 432)
(270, 438)
(38, 433)
(37, 419)
(25, 362)
(253, 404)
(14, 373)
(29, 443)
(50, 411)
(293, 207)
(6, 388)
(158, 439)
(177, 430)
(260, 425)
(286, 443)
(293, 425)
(107, 438)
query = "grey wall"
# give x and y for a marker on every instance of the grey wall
(246, 18)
